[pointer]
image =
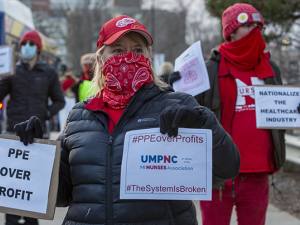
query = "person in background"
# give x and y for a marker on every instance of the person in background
(239, 64)
(29, 88)
(80, 86)
(166, 69)
(93, 136)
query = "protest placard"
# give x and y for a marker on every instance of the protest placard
(7, 60)
(276, 107)
(28, 177)
(156, 166)
(194, 77)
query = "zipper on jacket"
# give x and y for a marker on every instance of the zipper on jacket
(220, 193)
(109, 208)
(109, 197)
(233, 189)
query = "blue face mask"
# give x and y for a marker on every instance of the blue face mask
(28, 51)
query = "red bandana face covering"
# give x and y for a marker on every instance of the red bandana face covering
(247, 53)
(125, 74)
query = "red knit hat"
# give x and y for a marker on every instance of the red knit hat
(237, 15)
(116, 27)
(34, 36)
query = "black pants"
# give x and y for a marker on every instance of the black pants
(13, 220)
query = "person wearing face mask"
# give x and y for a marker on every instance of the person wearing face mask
(239, 64)
(93, 136)
(80, 85)
(29, 89)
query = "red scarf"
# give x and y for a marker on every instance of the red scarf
(245, 54)
(125, 74)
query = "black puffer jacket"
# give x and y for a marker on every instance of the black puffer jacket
(91, 159)
(29, 91)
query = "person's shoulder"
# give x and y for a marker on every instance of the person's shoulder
(49, 68)
(42, 65)
(214, 59)
(80, 105)
(76, 111)
(175, 95)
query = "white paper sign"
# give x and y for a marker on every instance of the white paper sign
(6, 59)
(25, 174)
(194, 78)
(155, 166)
(276, 107)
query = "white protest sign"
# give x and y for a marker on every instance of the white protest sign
(25, 175)
(276, 107)
(6, 60)
(156, 166)
(194, 78)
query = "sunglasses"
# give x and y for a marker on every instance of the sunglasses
(31, 43)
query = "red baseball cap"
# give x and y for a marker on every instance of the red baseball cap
(118, 26)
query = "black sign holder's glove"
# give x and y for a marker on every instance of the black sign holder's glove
(177, 115)
(29, 130)
(175, 76)
(298, 108)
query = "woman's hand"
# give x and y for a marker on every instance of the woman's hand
(29, 129)
(177, 115)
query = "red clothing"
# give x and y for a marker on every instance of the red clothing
(67, 83)
(113, 115)
(247, 54)
(85, 76)
(238, 118)
(251, 204)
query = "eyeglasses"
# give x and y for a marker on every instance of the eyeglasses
(31, 43)
(252, 25)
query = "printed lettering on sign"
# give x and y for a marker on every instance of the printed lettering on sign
(155, 167)
(245, 92)
(190, 77)
(28, 177)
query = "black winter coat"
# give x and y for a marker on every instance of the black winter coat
(29, 91)
(90, 168)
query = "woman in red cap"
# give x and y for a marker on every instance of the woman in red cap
(130, 97)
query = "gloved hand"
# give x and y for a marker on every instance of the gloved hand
(175, 76)
(177, 115)
(298, 108)
(29, 129)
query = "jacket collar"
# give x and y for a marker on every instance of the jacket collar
(40, 64)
